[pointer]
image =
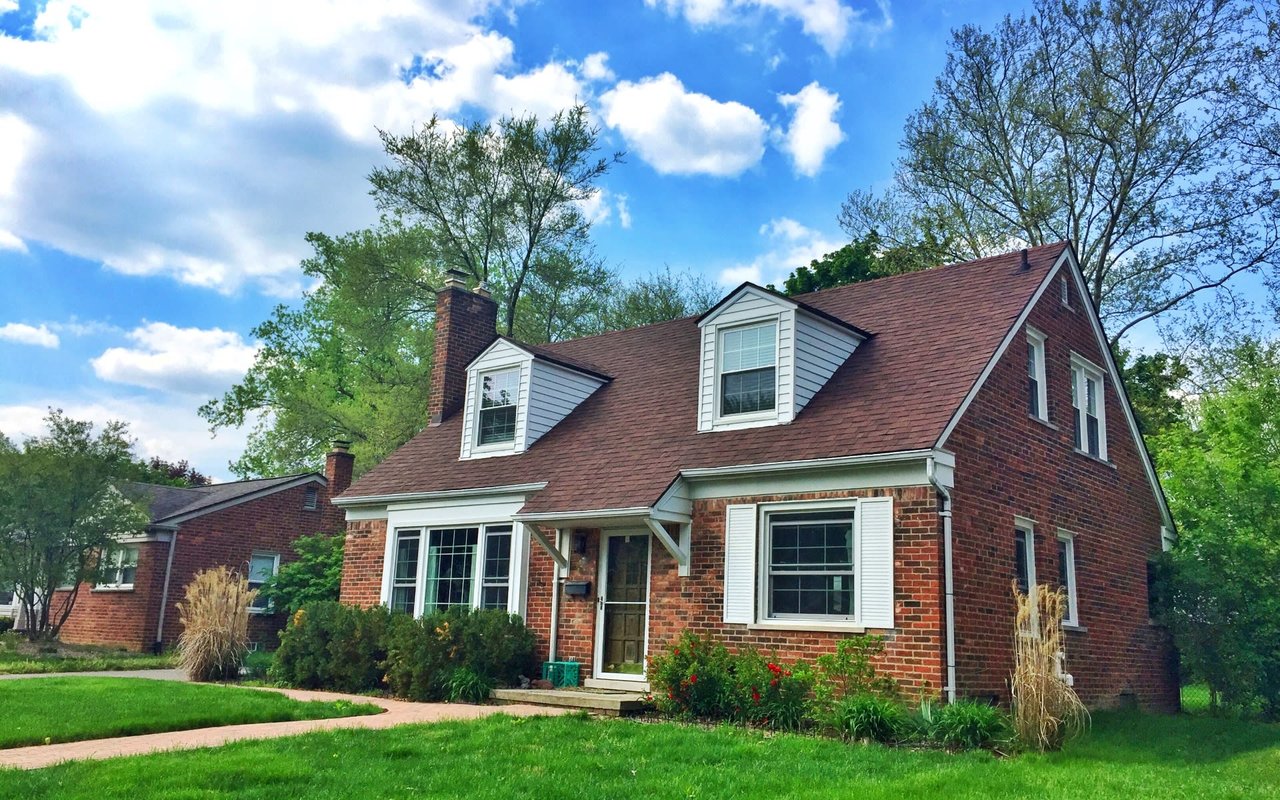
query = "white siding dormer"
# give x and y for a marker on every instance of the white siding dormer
(544, 394)
(737, 374)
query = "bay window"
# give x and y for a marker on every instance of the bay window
(404, 572)
(441, 568)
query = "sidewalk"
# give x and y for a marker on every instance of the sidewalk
(396, 712)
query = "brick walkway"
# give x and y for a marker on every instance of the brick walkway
(397, 712)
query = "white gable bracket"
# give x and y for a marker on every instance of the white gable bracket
(680, 554)
(541, 538)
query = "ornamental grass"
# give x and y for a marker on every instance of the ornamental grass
(215, 622)
(1046, 710)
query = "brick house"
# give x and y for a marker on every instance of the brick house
(887, 457)
(246, 525)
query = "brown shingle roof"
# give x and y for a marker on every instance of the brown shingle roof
(932, 334)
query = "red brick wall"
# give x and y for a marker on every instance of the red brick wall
(1008, 464)
(913, 652)
(362, 561)
(227, 537)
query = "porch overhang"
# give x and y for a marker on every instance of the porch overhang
(647, 518)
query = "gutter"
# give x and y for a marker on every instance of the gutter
(164, 593)
(948, 580)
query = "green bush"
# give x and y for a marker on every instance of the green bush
(468, 686)
(256, 665)
(695, 679)
(425, 655)
(333, 646)
(967, 724)
(770, 693)
(316, 575)
(868, 716)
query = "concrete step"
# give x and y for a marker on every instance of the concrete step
(609, 702)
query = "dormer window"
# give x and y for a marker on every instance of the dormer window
(498, 397)
(748, 369)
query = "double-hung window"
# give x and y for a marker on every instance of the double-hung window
(810, 564)
(445, 567)
(1089, 408)
(1024, 556)
(499, 393)
(748, 357)
(1067, 575)
(119, 568)
(1037, 394)
(262, 567)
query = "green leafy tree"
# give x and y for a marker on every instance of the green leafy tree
(501, 201)
(316, 576)
(658, 297)
(1142, 130)
(1156, 384)
(60, 511)
(1221, 472)
(862, 260)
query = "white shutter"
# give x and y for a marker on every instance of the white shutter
(875, 563)
(740, 564)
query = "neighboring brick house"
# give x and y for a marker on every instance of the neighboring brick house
(780, 473)
(248, 526)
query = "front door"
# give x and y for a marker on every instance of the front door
(623, 614)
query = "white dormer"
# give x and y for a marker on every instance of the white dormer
(764, 357)
(515, 395)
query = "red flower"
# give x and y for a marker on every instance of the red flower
(693, 679)
(787, 673)
(755, 696)
(671, 695)
(677, 651)
(773, 682)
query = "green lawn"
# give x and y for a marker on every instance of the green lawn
(40, 710)
(20, 657)
(1126, 756)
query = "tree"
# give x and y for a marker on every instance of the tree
(501, 201)
(863, 259)
(1155, 384)
(658, 297)
(1141, 130)
(1221, 472)
(354, 362)
(315, 577)
(181, 473)
(60, 511)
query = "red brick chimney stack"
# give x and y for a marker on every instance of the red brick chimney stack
(466, 323)
(338, 466)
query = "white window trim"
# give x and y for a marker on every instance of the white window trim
(1082, 368)
(1072, 619)
(1037, 341)
(116, 556)
(496, 447)
(477, 565)
(719, 418)
(275, 570)
(1028, 526)
(805, 623)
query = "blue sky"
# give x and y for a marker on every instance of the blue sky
(161, 161)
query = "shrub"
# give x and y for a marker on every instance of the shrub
(315, 577)
(868, 716)
(1046, 711)
(770, 693)
(424, 656)
(215, 625)
(695, 679)
(329, 645)
(468, 686)
(845, 675)
(967, 724)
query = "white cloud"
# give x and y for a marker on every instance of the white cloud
(624, 212)
(813, 131)
(28, 334)
(596, 207)
(172, 430)
(829, 22)
(681, 132)
(8, 241)
(205, 148)
(8, 5)
(191, 361)
(595, 67)
(789, 245)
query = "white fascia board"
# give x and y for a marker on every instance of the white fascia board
(602, 517)
(446, 494)
(817, 463)
(1068, 259)
(728, 301)
(301, 480)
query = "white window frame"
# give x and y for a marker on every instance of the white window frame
(1036, 340)
(477, 578)
(115, 563)
(717, 386)
(476, 446)
(805, 622)
(270, 608)
(1072, 619)
(1028, 527)
(1083, 370)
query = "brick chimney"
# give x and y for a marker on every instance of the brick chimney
(466, 323)
(338, 465)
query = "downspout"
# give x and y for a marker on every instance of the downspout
(948, 582)
(164, 593)
(555, 599)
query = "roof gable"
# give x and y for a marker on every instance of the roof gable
(170, 505)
